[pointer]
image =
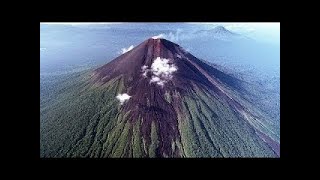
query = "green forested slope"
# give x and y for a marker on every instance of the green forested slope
(81, 119)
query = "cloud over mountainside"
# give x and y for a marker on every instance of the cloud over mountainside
(173, 36)
(124, 50)
(123, 97)
(161, 67)
(161, 70)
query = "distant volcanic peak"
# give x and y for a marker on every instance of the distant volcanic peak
(222, 30)
(219, 32)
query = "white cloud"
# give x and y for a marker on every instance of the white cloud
(178, 35)
(144, 67)
(123, 97)
(124, 50)
(158, 36)
(161, 82)
(42, 49)
(144, 74)
(161, 67)
(157, 80)
(144, 70)
(161, 71)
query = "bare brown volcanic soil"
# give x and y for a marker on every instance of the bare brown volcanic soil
(178, 106)
(129, 64)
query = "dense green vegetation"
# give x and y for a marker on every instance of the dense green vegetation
(81, 119)
(212, 129)
(85, 120)
(154, 140)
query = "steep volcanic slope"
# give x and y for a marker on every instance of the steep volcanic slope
(171, 105)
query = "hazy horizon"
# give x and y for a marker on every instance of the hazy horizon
(84, 45)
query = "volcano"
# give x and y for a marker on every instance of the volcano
(156, 100)
(221, 33)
